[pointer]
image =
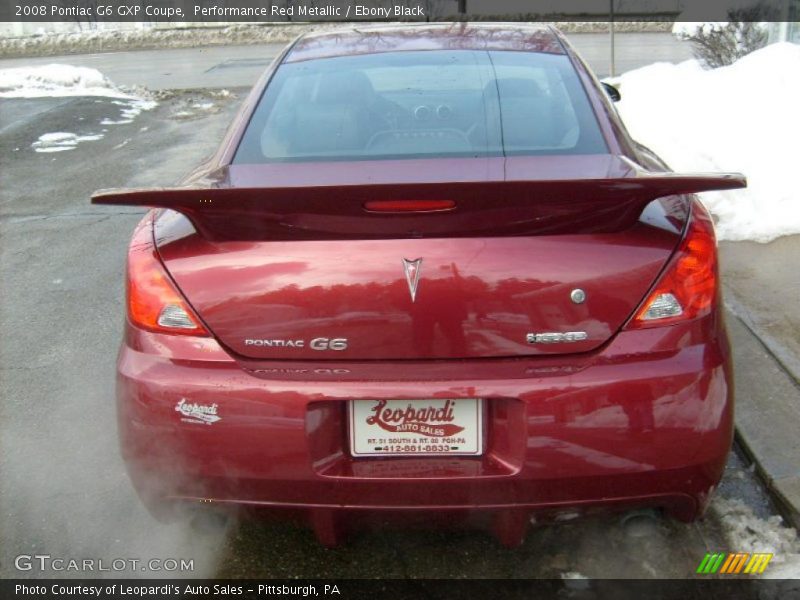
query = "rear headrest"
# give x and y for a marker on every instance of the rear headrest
(344, 87)
(514, 87)
(321, 128)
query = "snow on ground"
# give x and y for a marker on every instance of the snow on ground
(737, 118)
(58, 81)
(198, 105)
(60, 141)
(129, 111)
(745, 532)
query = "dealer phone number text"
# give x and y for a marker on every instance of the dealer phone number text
(410, 449)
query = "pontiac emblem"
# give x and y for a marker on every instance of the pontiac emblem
(412, 269)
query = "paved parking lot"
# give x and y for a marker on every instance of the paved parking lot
(240, 66)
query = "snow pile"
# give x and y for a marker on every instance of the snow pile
(67, 80)
(745, 532)
(737, 118)
(682, 29)
(56, 80)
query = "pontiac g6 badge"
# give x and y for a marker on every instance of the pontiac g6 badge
(412, 269)
(320, 343)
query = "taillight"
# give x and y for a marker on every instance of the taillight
(688, 287)
(153, 301)
(399, 206)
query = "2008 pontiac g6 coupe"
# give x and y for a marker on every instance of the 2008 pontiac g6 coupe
(428, 271)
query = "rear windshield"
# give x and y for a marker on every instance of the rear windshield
(422, 104)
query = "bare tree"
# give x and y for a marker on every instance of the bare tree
(435, 9)
(721, 44)
(91, 5)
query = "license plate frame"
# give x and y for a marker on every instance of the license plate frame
(431, 435)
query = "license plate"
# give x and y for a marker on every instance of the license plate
(416, 427)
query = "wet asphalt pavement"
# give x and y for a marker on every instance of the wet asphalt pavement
(63, 489)
(635, 544)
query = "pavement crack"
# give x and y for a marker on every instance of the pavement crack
(27, 218)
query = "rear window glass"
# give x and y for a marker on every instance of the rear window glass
(422, 104)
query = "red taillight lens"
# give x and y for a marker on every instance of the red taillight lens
(399, 206)
(153, 301)
(688, 287)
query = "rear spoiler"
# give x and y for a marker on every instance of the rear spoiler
(420, 209)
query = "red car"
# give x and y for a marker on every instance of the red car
(427, 272)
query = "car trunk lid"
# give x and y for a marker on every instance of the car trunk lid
(513, 268)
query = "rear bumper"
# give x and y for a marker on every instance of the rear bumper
(647, 420)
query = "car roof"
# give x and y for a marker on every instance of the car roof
(372, 39)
